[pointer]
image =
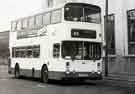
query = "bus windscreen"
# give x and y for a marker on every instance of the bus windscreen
(81, 50)
(82, 13)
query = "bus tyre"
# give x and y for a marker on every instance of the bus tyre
(9, 66)
(17, 72)
(44, 75)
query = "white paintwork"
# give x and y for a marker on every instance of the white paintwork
(56, 33)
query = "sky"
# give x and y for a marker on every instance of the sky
(13, 9)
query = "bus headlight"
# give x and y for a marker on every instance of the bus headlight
(99, 72)
(67, 72)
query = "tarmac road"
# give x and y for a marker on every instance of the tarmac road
(10, 85)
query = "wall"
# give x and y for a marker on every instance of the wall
(122, 65)
(127, 5)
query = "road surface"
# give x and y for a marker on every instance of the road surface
(10, 85)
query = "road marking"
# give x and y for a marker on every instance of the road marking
(41, 86)
(3, 79)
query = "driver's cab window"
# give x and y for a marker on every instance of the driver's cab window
(56, 50)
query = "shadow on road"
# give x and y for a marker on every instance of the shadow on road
(74, 83)
(62, 82)
(97, 85)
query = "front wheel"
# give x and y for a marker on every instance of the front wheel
(17, 73)
(44, 75)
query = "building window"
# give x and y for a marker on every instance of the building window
(110, 34)
(131, 31)
(39, 21)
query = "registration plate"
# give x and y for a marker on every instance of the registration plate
(83, 75)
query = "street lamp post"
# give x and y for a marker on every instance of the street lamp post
(106, 40)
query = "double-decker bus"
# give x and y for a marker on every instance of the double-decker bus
(60, 43)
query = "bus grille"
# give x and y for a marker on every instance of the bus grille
(95, 51)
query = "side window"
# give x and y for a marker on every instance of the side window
(46, 18)
(24, 24)
(19, 25)
(17, 53)
(38, 20)
(26, 52)
(56, 16)
(23, 52)
(36, 51)
(56, 50)
(14, 26)
(29, 52)
(31, 22)
(13, 52)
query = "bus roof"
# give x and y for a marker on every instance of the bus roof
(39, 13)
(60, 6)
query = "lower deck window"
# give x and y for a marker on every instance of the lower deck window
(26, 52)
(131, 31)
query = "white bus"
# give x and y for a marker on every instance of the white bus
(60, 43)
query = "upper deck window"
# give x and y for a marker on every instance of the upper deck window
(82, 13)
(24, 24)
(56, 16)
(19, 25)
(14, 26)
(31, 22)
(46, 18)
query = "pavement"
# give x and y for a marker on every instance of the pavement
(118, 82)
(114, 81)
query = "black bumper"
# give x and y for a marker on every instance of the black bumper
(81, 75)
